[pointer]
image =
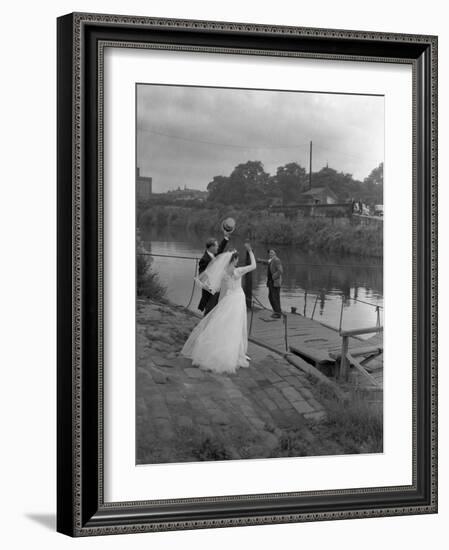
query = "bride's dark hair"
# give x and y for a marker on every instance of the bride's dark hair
(234, 257)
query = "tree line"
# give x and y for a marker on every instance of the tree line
(250, 184)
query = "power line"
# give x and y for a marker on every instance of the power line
(254, 147)
(237, 146)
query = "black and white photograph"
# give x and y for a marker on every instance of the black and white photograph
(259, 273)
(228, 218)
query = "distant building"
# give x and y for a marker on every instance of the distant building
(187, 194)
(318, 195)
(144, 186)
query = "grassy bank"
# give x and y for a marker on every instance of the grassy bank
(321, 234)
(354, 427)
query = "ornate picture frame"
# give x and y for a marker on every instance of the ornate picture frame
(81, 507)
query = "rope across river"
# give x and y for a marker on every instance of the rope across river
(294, 263)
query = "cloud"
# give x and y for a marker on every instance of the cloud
(187, 135)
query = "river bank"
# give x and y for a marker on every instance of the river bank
(270, 409)
(321, 234)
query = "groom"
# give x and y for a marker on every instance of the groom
(209, 301)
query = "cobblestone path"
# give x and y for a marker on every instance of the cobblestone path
(187, 414)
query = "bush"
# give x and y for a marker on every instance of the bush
(147, 281)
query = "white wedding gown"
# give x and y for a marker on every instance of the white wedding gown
(219, 342)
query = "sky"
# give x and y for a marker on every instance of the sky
(186, 135)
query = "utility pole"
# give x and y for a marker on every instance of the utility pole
(310, 167)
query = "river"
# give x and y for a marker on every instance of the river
(316, 284)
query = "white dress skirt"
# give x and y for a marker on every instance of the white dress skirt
(219, 342)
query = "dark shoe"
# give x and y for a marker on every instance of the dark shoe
(276, 316)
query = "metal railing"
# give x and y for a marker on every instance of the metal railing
(377, 307)
(344, 299)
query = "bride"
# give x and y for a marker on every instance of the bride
(219, 342)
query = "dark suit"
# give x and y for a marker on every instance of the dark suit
(274, 281)
(209, 301)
